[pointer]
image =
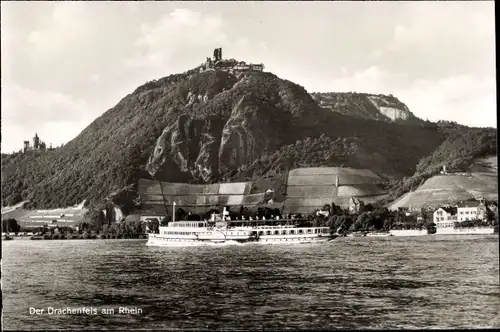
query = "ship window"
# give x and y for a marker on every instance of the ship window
(261, 233)
(309, 231)
(292, 231)
(301, 231)
(316, 231)
(276, 232)
(268, 233)
(283, 232)
(200, 224)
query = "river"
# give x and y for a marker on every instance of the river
(350, 283)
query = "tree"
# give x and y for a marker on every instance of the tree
(10, 226)
(368, 207)
(94, 218)
(490, 216)
(387, 224)
(180, 214)
(431, 227)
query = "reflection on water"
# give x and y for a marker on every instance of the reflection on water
(447, 281)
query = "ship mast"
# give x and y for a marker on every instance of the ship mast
(173, 211)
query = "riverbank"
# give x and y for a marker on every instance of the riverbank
(84, 237)
(424, 232)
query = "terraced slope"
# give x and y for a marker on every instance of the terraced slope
(69, 216)
(311, 188)
(480, 181)
(157, 197)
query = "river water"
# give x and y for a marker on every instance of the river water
(351, 283)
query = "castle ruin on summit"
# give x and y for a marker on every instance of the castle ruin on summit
(230, 65)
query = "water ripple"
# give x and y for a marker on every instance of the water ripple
(397, 283)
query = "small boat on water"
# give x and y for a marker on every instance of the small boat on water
(356, 234)
(378, 234)
(219, 230)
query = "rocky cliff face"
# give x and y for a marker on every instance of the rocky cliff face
(189, 146)
(366, 106)
(213, 136)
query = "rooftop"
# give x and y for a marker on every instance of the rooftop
(450, 209)
(469, 204)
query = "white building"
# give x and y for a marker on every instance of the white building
(445, 216)
(471, 210)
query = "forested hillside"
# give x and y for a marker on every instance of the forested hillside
(212, 126)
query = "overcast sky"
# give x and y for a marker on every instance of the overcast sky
(66, 63)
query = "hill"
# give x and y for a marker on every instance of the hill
(478, 180)
(210, 127)
(366, 106)
(449, 189)
(461, 150)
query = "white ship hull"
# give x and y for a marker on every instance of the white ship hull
(169, 242)
(200, 237)
(293, 240)
(173, 242)
(408, 232)
(196, 233)
(465, 230)
(239, 235)
(378, 234)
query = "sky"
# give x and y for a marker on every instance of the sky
(64, 64)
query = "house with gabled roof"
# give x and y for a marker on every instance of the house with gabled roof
(445, 216)
(471, 210)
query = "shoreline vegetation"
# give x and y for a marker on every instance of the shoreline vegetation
(82, 237)
(368, 219)
(83, 231)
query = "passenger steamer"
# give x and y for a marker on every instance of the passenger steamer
(219, 230)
